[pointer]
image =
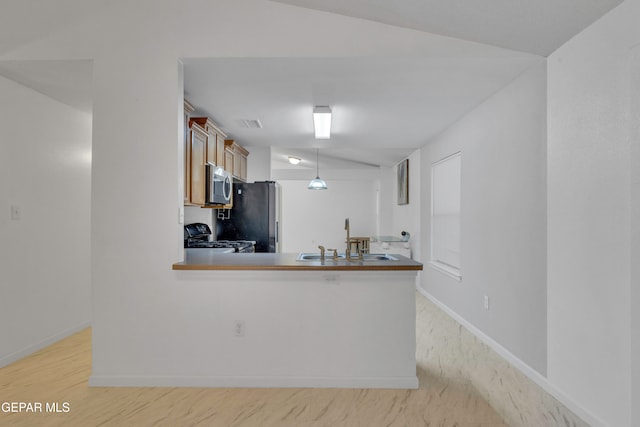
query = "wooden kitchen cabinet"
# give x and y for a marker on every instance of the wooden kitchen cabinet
(220, 137)
(197, 164)
(228, 160)
(240, 165)
(186, 141)
(204, 144)
(236, 159)
(211, 148)
(215, 140)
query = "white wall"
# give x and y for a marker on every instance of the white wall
(294, 332)
(502, 220)
(311, 218)
(259, 164)
(404, 217)
(139, 304)
(589, 260)
(635, 234)
(197, 214)
(45, 170)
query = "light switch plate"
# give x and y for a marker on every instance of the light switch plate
(15, 212)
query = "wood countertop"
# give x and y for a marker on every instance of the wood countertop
(205, 260)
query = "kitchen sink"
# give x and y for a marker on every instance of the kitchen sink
(329, 257)
(378, 257)
(317, 257)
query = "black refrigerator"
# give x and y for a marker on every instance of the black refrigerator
(253, 216)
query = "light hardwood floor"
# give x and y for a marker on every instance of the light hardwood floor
(60, 372)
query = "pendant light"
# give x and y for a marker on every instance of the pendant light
(317, 183)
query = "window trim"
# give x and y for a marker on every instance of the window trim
(447, 269)
(453, 272)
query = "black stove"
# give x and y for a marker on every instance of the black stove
(238, 245)
(197, 235)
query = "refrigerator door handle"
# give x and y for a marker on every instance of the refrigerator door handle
(277, 231)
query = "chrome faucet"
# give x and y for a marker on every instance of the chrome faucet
(321, 252)
(347, 253)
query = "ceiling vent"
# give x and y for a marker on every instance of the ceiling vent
(252, 124)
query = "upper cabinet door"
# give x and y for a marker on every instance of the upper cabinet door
(186, 141)
(220, 149)
(215, 140)
(211, 148)
(198, 161)
(238, 165)
(228, 161)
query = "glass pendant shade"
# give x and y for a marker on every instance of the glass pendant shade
(317, 183)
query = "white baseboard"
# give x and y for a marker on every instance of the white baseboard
(15, 356)
(531, 373)
(253, 382)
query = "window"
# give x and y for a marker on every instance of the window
(445, 215)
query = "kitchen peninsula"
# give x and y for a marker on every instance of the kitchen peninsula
(313, 323)
(205, 260)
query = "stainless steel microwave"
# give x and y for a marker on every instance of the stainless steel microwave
(219, 185)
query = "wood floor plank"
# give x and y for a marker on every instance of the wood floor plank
(60, 373)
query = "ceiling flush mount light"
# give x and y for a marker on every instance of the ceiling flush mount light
(294, 160)
(322, 122)
(317, 183)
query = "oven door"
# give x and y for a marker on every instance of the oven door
(219, 185)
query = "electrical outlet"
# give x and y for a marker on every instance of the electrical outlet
(331, 279)
(238, 328)
(486, 302)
